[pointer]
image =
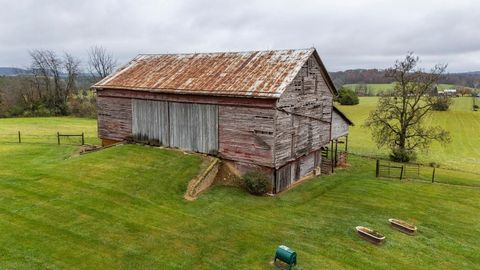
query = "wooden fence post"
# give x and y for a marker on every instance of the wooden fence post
(19, 137)
(433, 175)
(401, 172)
(58, 138)
(83, 138)
(377, 169)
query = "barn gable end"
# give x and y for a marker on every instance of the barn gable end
(303, 122)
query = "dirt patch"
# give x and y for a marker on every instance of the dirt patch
(227, 175)
(86, 148)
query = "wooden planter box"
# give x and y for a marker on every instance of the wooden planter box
(370, 235)
(403, 226)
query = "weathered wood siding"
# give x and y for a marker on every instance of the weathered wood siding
(114, 118)
(247, 134)
(291, 172)
(194, 127)
(150, 123)
(303, 117)
(184, 125)
(339, 126)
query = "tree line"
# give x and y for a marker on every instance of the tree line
(368, 76)
(55, 85)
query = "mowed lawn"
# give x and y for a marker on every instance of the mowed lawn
(44, 129)
(123, 208)
(462, 123)
(377, 88)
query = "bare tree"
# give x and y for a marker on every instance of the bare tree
(71, 65)
(101, 63)
(398, 121)
(54, 78)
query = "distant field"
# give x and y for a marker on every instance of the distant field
(385, 87)
(44, 129)
(123, 208)
(464, 125)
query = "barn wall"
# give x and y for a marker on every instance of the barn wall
(339, 126)
(246, 134)
(114, 118)
(303, 117)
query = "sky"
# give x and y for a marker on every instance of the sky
(347, 34)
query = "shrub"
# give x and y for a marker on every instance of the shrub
(402, 155)
(441, 103)
(255, 182)
(347, 97)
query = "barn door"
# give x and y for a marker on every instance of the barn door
(283, 176)
(194, 127)
(150, 122)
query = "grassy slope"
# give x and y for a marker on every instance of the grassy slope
(123, 208)
(379, 87)
(461, 121)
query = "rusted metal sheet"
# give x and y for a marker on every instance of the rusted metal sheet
(256, 73)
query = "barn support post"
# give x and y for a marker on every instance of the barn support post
(274, 181)
(336, 152)
(331, 156)
(346, 144)
(433, 175)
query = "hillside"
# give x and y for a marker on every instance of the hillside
(377, 76)
(123, 208)
(462, 123)
(11, 71)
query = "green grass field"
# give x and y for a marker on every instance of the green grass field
(376, 88)
(123, 208)
(44, 129)
(463, 123)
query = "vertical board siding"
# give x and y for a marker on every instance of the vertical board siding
(150, 122)
(184, 125)
(194, 127)
(114, 118)
(339, 126)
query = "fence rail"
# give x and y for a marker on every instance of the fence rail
(58, 138)
(418, 172)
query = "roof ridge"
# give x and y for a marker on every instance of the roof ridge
(223, 52)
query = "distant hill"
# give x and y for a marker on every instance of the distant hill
(371, 76)
(11, 71)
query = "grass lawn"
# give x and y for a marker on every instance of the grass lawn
(122, 208)
(44, 129)
(463, 123)
(385, 87)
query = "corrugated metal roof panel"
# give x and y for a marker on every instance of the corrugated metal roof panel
(256, 73)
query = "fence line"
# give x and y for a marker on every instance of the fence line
(58, 138)
(418, 172)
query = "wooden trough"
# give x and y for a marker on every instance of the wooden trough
(370, 235)
(403, 226)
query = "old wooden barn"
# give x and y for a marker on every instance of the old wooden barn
(260, 110)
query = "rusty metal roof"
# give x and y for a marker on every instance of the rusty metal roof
(256, 73)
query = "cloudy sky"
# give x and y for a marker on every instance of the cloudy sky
(347, 34)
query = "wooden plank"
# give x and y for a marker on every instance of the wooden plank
(114, 118)
(188, 98)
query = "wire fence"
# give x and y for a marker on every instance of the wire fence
(419, 172)
(63, 138)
